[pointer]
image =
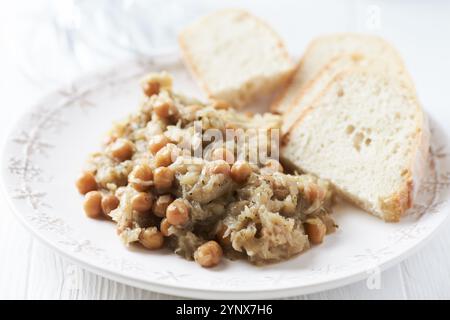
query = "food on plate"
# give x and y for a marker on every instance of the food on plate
(351, 124)
(235, 56)
(367, 135)
(160, 193)
(325, 48)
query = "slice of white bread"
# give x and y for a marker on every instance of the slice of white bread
(366, 134)
(308, 93)
(323, 49)
(235, 56)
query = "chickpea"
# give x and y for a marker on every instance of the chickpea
(109, 203)
(164, 227)
(151, 238)
(221, 167)
(157, 142)
(272, 166)
(221, 105)
(315, 229)
(240, 171)
(161, 204)
(144, 173)
(163, 157)
(223, 154)
(177, 213)
(93, 205)
(311, 192)
(314, 192)
(288, 209)
(142, 202)
(208, 254)
(150, 88)
(86, 182)
(163, 178)
(162, 110)
(122, 149)
(220, 236)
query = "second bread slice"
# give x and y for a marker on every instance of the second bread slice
(315, 86)
(324, 49)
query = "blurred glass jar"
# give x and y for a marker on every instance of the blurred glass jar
(52, 40)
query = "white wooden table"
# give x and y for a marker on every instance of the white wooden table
(36, 56)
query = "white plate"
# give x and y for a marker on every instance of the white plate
(47, 148)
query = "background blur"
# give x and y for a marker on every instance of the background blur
(46, 43)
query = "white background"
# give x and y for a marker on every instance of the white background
(44, 44)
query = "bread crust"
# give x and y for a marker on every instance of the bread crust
(397, 205)
(394, 206)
